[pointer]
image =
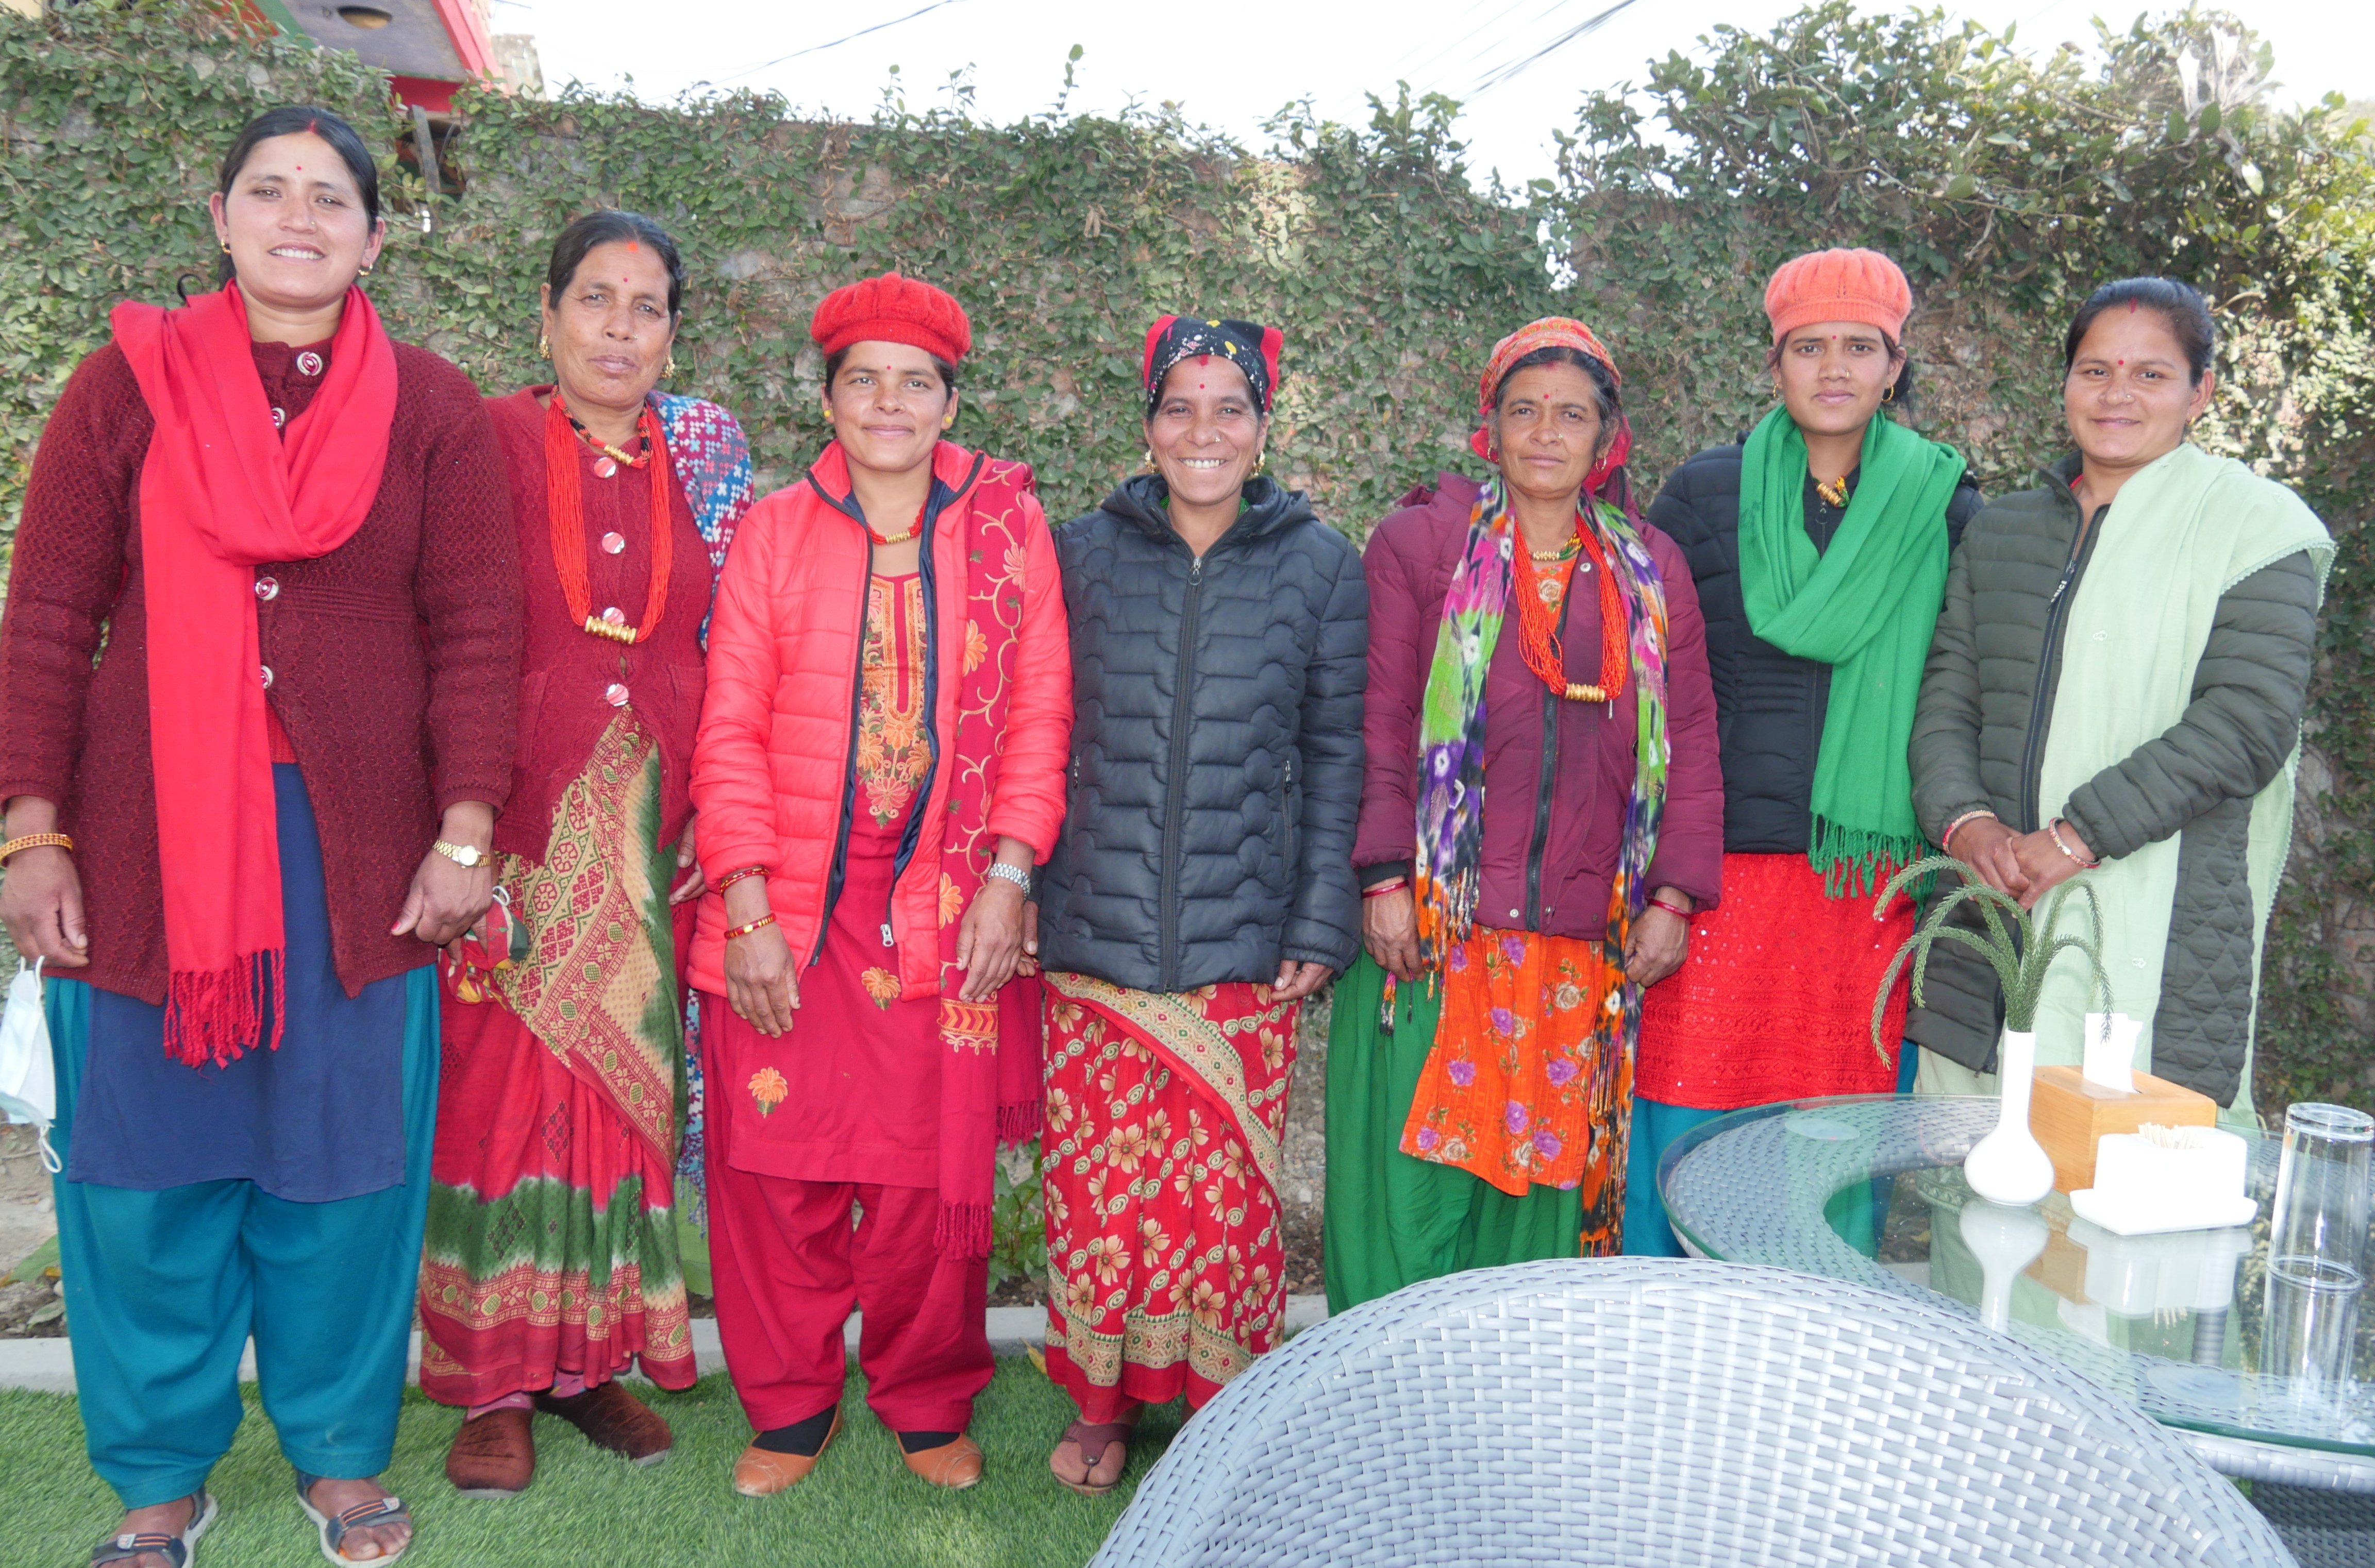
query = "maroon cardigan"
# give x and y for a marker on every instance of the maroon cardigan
(1547, 864)
(564, 705)
(394, 659)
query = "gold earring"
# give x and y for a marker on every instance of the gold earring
(1149, 460)
(669, 369)
(362, 272)
(543, 346)
(226, 250)
(1888, 395)
(1261, 461)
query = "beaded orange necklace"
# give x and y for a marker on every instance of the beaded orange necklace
(565, 504)
(1538, 617)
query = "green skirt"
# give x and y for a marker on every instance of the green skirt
(1391, 1219)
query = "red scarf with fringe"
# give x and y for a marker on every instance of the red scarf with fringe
(990, 1076)
(222, 491)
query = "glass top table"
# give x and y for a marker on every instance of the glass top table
(1869, 1189)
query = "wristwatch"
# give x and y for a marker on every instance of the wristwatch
(462, 855)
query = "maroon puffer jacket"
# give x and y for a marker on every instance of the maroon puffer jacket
(1556, 773)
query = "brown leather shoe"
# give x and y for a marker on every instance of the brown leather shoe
(762, 1472)
(611, 1418)
(494, 1456)
(953, 1464)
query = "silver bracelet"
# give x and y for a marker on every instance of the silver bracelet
(1014, 873)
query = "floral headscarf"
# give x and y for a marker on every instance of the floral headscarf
(1252, 348)
(1550, 332)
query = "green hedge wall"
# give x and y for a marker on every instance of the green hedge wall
(2008, 183)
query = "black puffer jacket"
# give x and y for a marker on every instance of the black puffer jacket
(1216, 746)
(1769, 705)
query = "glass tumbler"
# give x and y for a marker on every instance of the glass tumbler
(2318, 1225)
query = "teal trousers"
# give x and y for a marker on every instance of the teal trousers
(163, 1289)
(1654, 1125)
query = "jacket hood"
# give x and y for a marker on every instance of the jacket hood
(1265, 507)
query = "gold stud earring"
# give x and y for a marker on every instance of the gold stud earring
(543, 346)
(669, 369)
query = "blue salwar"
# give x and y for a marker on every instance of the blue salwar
(283, 1197)
(163, 1288)
(1657, 1125)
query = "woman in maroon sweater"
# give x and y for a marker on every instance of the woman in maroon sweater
(1542, 812)
(562, 1112)
(253, 816)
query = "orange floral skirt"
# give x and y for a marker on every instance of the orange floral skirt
(1531, 1080)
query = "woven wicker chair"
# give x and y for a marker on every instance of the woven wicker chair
(1643, 1412)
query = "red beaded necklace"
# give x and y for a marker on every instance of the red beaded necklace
(565, 504)
(1538, 617)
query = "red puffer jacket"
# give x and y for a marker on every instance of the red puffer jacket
(771, 768)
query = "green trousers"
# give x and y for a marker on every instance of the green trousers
(164, 1287)
(1391, 1219)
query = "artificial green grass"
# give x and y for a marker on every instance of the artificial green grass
(589, 1509)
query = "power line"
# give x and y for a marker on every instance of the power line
(820, 48)
(1495, 78)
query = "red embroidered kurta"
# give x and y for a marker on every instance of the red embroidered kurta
(853, 1092)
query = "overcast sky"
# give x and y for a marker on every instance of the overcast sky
(1231, 67)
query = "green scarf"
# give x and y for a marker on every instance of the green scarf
(1866, 607)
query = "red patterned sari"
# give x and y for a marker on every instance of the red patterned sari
(551, 1242)
(1165, 1258)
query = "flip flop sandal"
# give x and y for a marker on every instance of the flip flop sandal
(362, 1517)
(1101, 1435)
(181, 1551)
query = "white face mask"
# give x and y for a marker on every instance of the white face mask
(28, 1091)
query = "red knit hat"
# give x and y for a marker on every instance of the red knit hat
(1839, 284)
(891, 309)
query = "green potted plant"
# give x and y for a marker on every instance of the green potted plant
(2008, 1166)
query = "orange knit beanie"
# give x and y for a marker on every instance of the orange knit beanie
(1839, 284)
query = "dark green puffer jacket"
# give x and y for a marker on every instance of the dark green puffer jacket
(1979, 740)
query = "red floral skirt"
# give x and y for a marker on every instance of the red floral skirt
(1774, 1000)
(1166, 1259)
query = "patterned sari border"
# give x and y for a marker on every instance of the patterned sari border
(1191, 1043)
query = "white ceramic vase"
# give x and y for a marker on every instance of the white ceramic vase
(2009, 1166)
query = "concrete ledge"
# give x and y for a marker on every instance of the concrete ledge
(46, 1366)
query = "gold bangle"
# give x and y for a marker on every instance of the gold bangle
(2053, 831)
(35, 841)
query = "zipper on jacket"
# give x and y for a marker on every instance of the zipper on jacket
(2049, 654)
(1546, 780)
(1175, 794)
(1287, 818)
(839, 874)
(1544, 785)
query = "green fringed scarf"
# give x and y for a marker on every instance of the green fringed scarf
(1866, 607)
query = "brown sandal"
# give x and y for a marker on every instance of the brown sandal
(1095, 1440)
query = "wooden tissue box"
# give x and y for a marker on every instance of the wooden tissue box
(2067, 1114)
